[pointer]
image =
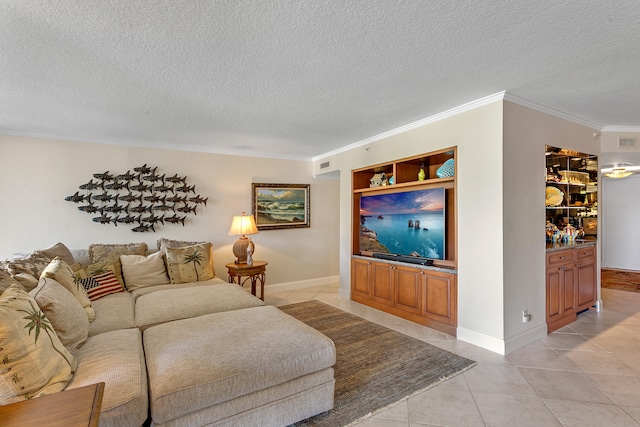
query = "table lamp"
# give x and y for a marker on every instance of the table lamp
(241, 226)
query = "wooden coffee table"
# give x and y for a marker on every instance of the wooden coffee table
(70, 408)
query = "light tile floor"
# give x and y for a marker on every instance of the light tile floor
(585, 374)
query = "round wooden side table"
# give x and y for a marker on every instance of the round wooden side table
(255, 273)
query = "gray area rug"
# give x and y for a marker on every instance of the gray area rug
(376, 367)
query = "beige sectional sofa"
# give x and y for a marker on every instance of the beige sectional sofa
(181, 354)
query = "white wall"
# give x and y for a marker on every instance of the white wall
(36, 175)
(620, 206)
(500, 209)
(478, 136)
(526, 134)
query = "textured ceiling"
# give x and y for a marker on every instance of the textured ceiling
(296, 79)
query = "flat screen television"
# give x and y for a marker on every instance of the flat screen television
(409, 223)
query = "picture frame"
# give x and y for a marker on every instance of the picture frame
(281, 206)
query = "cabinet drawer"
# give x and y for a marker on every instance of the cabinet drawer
(560, 257)
(589, 252)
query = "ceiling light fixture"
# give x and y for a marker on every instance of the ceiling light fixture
(618, 173)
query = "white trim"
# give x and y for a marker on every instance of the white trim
(621, 129)
(162, 146)
(502, 346)
(481, 340)
(436, 117)
(552, 111)
(525, 338)
(300, 284)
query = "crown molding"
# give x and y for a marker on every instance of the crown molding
(471, 106)
(170, 146)
(622, 129)
(414, 125)
(552, 111)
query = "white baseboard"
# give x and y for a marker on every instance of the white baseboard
(502, 346)
(525, 338)
(481, 340)
(300, 284)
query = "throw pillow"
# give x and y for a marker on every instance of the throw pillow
(34, 361)
(102, 267)
(65, 313)
(140, 271)
(190, 263)
(27, 270)
(163, 244)
(7, 280)
(59, 250)
(105, 253)
(101, 285)
(60, 271)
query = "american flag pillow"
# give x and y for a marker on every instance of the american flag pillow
(101, 285)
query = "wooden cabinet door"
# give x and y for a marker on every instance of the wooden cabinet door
(361, 278)
(555, 290)
(408, 289)
(439, 301)
(570, 279)
(587, 279)
(382, 282)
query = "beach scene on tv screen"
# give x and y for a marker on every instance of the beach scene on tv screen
(404, 223)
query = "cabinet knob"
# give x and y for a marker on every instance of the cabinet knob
(577, 265)
(563, 257)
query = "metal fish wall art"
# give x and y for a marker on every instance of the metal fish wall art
(143, 199)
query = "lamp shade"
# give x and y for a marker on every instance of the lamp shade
(243, 225)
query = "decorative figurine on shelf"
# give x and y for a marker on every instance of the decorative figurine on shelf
(421, 175)
(552, 232)
(250, 255)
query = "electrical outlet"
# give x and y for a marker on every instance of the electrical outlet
(526, 317)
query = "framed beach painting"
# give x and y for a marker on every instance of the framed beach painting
(277, 206)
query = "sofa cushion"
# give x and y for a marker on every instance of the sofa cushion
(241, 358)
(116, 358)
(34, 361)
(62, 273)
(173, 304)
(101, 285)
(150, 289)
(63, 310)
(59, 250)
(140, 271)
(190, 263)
(113, 312)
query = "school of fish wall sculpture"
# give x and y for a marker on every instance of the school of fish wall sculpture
(140, 199)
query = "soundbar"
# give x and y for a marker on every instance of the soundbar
(403, 258)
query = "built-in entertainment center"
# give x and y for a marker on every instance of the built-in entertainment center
(404, 238)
